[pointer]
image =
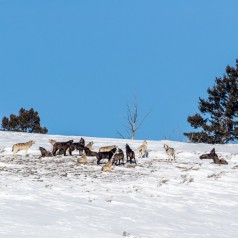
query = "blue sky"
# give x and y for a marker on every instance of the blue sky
(79, 63)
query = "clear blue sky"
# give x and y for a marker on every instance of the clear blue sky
(78, 63)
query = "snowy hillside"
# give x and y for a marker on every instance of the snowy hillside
(58, 198)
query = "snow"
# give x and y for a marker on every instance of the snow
(57, 197)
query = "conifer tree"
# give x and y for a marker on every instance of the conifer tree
(27, 121)
(218, 118)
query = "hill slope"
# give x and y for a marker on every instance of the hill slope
(56, 197)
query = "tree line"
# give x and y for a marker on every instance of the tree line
(26, 121)
(216, 122)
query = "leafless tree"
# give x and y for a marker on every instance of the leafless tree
(132, 125)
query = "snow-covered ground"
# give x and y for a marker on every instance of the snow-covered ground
(57, 197)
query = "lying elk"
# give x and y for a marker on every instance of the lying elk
(213, 155)
(61, 146)
(22, 146)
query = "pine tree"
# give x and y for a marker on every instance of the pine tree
(27, 121)
(219, 112)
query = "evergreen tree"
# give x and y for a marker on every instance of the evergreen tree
(219, 112)
(27, 121)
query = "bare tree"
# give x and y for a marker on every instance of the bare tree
(132, 120)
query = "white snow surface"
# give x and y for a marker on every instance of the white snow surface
(57, 197)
